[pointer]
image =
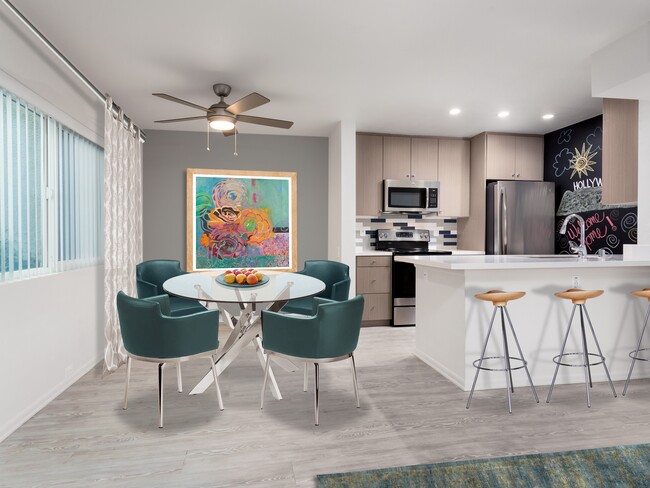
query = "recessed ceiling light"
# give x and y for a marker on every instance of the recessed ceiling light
(548, 116)
(503, 114)
(454, 111)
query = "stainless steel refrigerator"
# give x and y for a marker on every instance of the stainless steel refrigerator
(520, 218)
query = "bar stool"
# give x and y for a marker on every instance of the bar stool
(579, 297)
(499, 300)
(645, 293)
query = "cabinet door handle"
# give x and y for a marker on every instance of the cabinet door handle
(373, 261)
(518, 175)
(407, 175)
(412, 176)
(513, 175)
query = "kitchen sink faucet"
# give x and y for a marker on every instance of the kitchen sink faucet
(580, 250)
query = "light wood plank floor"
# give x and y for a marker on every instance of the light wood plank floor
(408, 415)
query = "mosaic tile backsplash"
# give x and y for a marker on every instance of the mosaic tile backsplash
(443, 230)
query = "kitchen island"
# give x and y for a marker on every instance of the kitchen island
(451, 324)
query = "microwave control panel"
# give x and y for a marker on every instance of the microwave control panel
(433, 198)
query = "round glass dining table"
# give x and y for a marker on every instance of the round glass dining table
(280, 287)
(246, 324)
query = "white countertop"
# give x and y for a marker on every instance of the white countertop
(465, 262)
(455, 252)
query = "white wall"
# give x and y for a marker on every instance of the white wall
(342, 201)
(52, 323)
(51, 335)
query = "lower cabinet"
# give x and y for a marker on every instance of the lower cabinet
(374, 283)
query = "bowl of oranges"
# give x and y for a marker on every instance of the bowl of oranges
(244, 278)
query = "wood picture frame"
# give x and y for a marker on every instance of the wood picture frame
(241, 219)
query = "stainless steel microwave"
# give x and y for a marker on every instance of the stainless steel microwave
(411, 196)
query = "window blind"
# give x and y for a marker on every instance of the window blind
(50, 194)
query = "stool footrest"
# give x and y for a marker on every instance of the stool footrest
(476, 363)
(557, 359)
(639, 358)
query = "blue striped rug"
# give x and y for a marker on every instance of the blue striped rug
(620, 466)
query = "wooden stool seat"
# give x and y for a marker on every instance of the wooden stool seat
(578, 296)
(645, 293)
(500, 298)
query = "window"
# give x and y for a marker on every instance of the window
(50, 194)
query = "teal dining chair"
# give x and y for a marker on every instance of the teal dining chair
(150, 276)
(336, 277)
(150, 334)
(330, 334)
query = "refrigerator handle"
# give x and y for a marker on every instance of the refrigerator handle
(503, 228)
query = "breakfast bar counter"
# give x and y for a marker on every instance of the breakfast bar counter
(451, 324)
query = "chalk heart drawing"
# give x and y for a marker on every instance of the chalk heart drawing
(562, 162)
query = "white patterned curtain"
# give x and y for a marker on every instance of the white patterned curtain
(122, 224)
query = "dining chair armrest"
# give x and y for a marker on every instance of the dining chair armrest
(163, 301)
(316, 301)
(146, 289)
(341, 290)
(294, 335)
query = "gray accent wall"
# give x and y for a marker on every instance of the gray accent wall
(167, 154)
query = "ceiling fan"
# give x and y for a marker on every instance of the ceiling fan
(222, 116)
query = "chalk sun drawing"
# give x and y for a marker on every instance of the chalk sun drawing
(582, 161)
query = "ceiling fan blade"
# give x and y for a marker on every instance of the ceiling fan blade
(280, 124)
(247, 103)
(230, 132)
(184, 119)
(181, 101)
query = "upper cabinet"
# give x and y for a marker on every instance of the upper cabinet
(620, 150)
(410, 158)
(514, 157)
(453, 174)
(369, 174)
(416, 158)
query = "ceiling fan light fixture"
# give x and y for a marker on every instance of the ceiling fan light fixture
(222, 122)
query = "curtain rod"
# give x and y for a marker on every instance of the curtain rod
(114, 108)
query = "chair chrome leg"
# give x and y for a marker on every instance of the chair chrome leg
(266, 377)
(305, 380)
(216, 381)
(521, 355)
(636, 352)
(585, 355)
(160, 394)
(354, 379)
(557, 365)
(179, 379)
(506, 363)
(128, 378)
(316, 385)
(593, 333)
(487, 338)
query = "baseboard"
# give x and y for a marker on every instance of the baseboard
(443, 370)
(10, 427)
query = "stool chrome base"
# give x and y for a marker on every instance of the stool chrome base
(635, 354)
(506, 359)
(585, 355)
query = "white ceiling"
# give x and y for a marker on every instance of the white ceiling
(390, 66)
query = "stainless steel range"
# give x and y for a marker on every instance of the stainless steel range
(404, 242)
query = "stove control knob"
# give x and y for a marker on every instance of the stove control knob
(424, 235)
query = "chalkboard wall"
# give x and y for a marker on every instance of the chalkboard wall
(572, 160)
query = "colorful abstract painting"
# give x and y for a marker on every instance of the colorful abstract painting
(241, 219)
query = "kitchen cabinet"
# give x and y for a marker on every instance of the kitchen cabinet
(369, 174)
(496, 157)
(374, 283)
(453, 174)
(514, 157)
(410, 158)
(620, 150)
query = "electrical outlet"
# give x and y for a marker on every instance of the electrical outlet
(68, 371)
(575, 283)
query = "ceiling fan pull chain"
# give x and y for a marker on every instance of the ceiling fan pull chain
(208, 135)
(235, 153)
